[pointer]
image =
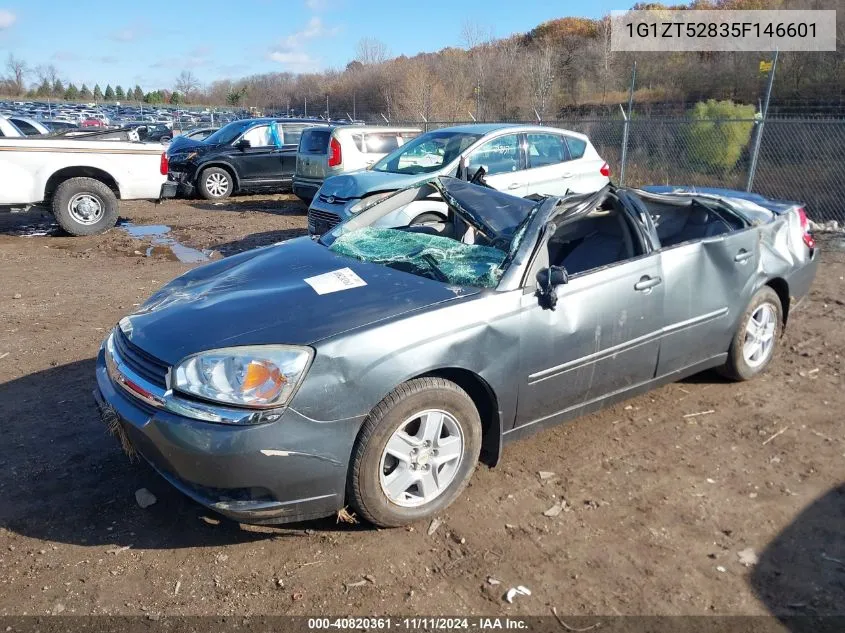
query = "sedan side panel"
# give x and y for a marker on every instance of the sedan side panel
(353, 372)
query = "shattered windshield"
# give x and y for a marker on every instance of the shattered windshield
(440, 258)
(426, 153)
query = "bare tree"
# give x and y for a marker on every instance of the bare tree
(18, 69)
(187, 83)
(47, 72)
(477, 39)
(371, 51)
(541, 60)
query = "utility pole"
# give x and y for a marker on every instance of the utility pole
(477, 99)
(328, 116)
(752, 170)
(305, 113)
(627, 124)
(353, 106)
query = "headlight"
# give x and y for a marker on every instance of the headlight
(259, 376)
(369, 201)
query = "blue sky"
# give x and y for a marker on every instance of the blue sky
(151, 41)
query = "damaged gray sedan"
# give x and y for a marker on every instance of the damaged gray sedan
(375, 367)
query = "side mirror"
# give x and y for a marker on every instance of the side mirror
(547, 280)
(478, 177)
(243, 144)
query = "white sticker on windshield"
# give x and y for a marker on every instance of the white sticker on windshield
(342, 279)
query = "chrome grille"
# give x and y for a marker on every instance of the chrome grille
(320, 222)
(139, 361)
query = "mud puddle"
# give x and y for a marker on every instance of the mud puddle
(162, 244)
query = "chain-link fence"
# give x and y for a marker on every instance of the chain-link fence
(797, 159)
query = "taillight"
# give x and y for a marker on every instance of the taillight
(164, 165)
(335, 155)
(605, 170)
(805, 228)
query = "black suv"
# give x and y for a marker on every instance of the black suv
(245, 155)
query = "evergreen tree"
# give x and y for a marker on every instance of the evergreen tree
(85, 93)
(138, 94)
(44, 90)
(71, 94)
(118, 93)
(98, 94)
(175, 98)
(109, 93)
(58, 89)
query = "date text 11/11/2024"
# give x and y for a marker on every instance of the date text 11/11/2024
(418, 623)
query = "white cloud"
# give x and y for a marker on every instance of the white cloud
(316, 5)
(7, 19)
(290, 51)
(314, 28)
(298, 61)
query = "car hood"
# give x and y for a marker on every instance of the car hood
(261, 297)
(361, 183)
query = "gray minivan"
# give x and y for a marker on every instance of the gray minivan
(331, 150)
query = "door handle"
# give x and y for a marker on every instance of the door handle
(514, 185)
(646, 283)
(742, 256)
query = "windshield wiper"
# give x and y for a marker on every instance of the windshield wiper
(428, 258)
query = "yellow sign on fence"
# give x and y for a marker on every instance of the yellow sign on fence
(765, 66)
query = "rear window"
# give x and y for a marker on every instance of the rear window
(381, 143)
(576, 147)
(314, 141)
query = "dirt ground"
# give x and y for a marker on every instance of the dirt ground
(659, 502)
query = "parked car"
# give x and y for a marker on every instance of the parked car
(158, 133)
(92, 123)
(8, 129)
(329, 151)
(190, 137)
(373, 367)
(59, 125)
(29, 127)
(245, 155)
(519, 159)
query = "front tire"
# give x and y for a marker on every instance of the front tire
(754, 343)
(415, 453)
(215, 183)
(84, 206)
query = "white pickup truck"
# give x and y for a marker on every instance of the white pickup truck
(80, 180)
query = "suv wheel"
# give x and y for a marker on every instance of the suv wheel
(215, 183)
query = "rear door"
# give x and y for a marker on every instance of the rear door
(709, 275)
(549, 169)
(502, 157)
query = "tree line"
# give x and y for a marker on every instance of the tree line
(560, 66)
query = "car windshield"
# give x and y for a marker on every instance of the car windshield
(427, 153)
(472, 247)
(230, 132)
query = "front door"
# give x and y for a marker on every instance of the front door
(603, 336)
(262, 161)
(502, 159)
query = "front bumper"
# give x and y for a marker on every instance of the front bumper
(183, 182)
(292, 469)
(323, 216)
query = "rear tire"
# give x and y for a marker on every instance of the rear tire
(215, 183)
(84, 206)
(755, 341)
(415, 452)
